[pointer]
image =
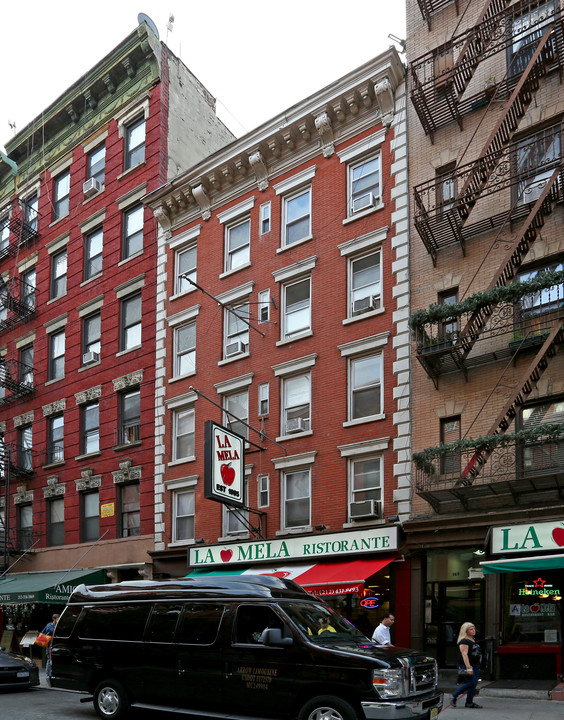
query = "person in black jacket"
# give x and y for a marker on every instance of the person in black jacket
(468, 661)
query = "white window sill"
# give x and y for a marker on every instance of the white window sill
(131, 349)
(226, 361)
(297, 336)
(182, 294)
(90, 365)
(127, 172)
(88, 455)
(174, 463)
(130, 257)
(234, 537)
(124, 446)
(176, 378)
(369, 521)
(181, 543)
(294, 531)
(360, 421)
(294, 244)
(362, 316)
(91, 279)
(292, 436)
(227, 273)
(52, 381)
(55, 299)
(363, 213)
(93, 197)
(48, 466)
(58, 220)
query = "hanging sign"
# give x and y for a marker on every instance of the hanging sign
(224, 465)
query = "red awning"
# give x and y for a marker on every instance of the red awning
(339, 578)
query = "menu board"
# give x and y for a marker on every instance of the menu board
(7, 637)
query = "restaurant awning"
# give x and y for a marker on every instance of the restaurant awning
(523, 564)
(327, 578)
(50, 587)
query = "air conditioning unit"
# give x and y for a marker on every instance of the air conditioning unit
(235, 348)
(295, 425)
(364, 509)
(367, 303)
(533, 190)
(364, 201)
(90, 357)
(92, 187)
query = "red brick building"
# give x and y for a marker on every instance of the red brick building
(282, 307)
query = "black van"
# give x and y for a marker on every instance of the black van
(247, 646)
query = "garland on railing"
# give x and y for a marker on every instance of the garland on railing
(513, 292)
(548, 432)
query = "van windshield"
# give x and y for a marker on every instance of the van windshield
(321, 624)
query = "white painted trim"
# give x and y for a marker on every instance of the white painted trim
(364, 146)
(296, 180)
(241, 209)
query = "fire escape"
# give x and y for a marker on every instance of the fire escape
(443, 91)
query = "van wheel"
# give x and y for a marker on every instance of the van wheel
(327, 707)
(110, 700)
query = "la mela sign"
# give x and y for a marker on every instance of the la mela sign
(299, 548)
(528, 537)
(224, 465)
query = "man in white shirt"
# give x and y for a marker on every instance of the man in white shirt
(381, 635)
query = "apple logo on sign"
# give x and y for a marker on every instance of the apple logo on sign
(558, 536)
(226, 555)
(227, 474)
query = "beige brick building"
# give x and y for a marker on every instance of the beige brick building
(486, 177)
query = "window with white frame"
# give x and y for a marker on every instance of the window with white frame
(264, 399)
(365, 478)
(130, 510)
(296, 492)
(364, 184)
(55, 438)
(25, 447)
(61, 195)
(93, 246)
(296, 214)
(132, 231)
(236, 520)
(265, 218)
(25, 356)
(29, 285)
(57, 355)
(59, 273)
(90, 516)
(236, 412)
(56, 522)
(263, 491)
(296, 410)
(526, 29)
(96, 164)
(130, 335)
(237, 244)
(184, 434)
(535, 159)
(236, 329)
(31, 211)
(185, 349)
(134, 143)
(365, 284)
(264, 306)
(91, 337)
(25, 526)
(365, 386)
(296, 307)
(542, 301)
(129, 417)
(183, 514)
(4, 232)
(90, 430)
(186, 266)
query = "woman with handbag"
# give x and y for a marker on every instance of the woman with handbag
(49, 630)
(468, 665)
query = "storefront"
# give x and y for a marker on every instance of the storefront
(531, 581)
(356, 573)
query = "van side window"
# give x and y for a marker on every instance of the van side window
(252, 620)
(67, 621)
(162, 623)
(199, 624)
(115, 622)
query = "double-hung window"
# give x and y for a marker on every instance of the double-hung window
(364, 184)
(90, 516)
(526, 30)
(25, 447)
(263, 491)
(365, 279)
(28, 288)
(26, 365)
(135, 143)
(129, 417)
(296, 410)
(184, 434)
(57, 355)
(56, 522)
(96, 164)
(544, 300)
(59, 274)
(365, 486)
(4, 234)
(31, 212)
(93, 246)
(55, 438)
(91, 337)
(25, 526)
(236, 330)
(185, 349)
(264, 399)
(237, 244)
(365, 380)
(130, 516)
(296, 210)
(450, 433)
(132, 231)
(535, 160)
(186, 266)
(296, 308)
(265, 218)
(183, 515)
(130, 322)
(236, 520)
(296, 488)
(236, 412)
(90, 428)
(61, 195)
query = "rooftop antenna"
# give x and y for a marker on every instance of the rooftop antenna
(12, 125)
(150, 24)
(169, 25)
(399, 41)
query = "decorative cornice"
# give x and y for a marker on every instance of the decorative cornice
(126, 472)
(384, 95)
(23, 419)
(259, 168)
(130, 380)
(201, 197)
(88, 481)
(53, 489)
(323, 127)
(87, 395)
(23, 495)
(54, 407)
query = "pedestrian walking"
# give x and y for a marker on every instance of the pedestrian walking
(469, 663)
(49, 629)
(381, 634)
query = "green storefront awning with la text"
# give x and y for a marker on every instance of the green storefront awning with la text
(52, 587)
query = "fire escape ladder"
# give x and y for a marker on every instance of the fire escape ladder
(428, 7)
(505, 127)
(525, 385)
(521, 245)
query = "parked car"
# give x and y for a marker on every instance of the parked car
(17, 671)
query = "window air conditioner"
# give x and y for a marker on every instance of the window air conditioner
(533, 189)
(90, 357)
(92, 187)
(363, 304)
(364, 509)
(364, 201)
(235, 348)
(295, 425)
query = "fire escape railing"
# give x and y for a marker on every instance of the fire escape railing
(430, 7)
(439, 78)
(16, 380)
(22, 224)
(17, 303)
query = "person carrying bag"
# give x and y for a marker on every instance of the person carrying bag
(469, 660)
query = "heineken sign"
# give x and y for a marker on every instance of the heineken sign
(312, 547)
(530, 537)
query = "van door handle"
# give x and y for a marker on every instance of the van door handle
(228, 670)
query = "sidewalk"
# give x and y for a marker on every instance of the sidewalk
(504, 708)
(516, 689)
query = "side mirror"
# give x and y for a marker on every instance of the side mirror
(272, 637)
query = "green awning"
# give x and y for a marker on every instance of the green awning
(53, 587)
(523, 564)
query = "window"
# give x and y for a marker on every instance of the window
(264, 399)
(296, 413)
(237, 410)
(59, 274)
(264, 306)
(96, 164)
(263, 492)
(26, 365)
(535, 160)
(265, 218)
(90, 516)
(450, 433)
(129, 506)
(130, 417)
(25, 527)
(55, 439)
(235, 520)
(184, 434)
(56, 522)
(297, 217)
(296, 299)
(4, 233)
(364, 184)
(366, 290)
(91, 337)
(30, 210)
(93, 246)
(542, 457)
(185, 350)
(183, 503)
(448, 331)
(61, 193)
(545, 300)
(185, 268)
(526, 30)
(236, 329)
(135, 143)
(90, 428)
(131, 322)
(237, 245)
(365, 386)
(28, 288)
(25, 448)
(366, 483)
(132, 231)
(57, 355)
(296, 486)
(445, 187)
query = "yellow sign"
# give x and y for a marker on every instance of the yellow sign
(107, 510)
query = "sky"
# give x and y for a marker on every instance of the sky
(257, 57)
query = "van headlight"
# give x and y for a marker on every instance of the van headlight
(388, 683)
